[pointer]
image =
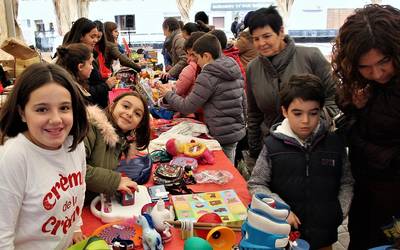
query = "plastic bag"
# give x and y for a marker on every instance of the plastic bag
(213, 176)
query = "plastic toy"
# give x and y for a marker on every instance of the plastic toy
(221, 238)
(111, 210)
(266, 226)
(191, 149)
(126, 199)
(197, 243)
(160, 214)
(151, 239)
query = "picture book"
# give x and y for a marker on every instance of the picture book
(225, 203)
(158, 191)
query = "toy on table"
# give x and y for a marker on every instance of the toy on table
(121, 244)
(151, 239)
(111, 209)
(192, 149)
(266, 226)
(160, 214)
(125, 198)
(125, 229)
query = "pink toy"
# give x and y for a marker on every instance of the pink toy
(192, 149)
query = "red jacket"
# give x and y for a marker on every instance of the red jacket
(234, 53)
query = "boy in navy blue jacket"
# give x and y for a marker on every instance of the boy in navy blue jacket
(305, 165)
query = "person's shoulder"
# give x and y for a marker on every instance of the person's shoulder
(13, 149)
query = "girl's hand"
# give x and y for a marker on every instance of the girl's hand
(125, 184)
(360, 97)
(78, 236)
(163, 89)
(112, 81)
(293, 220)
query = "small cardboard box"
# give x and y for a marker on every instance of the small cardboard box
(23, 55)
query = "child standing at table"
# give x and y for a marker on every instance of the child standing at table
(306, 166)
(42, 162)
(120, 130)
(219, 91)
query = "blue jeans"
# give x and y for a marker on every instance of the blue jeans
(230, 150)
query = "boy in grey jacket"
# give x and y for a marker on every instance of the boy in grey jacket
(218, 90)
(305, 165)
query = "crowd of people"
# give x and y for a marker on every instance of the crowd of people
(58, 151)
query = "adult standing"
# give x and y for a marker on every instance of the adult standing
(366, 59)
(233, 27)
(175, 46)
(279, 58)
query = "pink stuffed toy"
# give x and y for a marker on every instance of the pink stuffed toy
(192, 149)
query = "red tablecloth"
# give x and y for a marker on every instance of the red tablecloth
(90, 222)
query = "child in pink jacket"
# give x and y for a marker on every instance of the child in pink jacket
(188, 75)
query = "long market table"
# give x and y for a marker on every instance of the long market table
(238, 183)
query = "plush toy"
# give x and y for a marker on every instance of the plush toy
(192, 149)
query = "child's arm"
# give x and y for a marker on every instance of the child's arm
(186, 79)
(261, 176)
(12, 186)
(346, 186)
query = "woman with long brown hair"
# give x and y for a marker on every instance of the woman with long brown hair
(366, 60)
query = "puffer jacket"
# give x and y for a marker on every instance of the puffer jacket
(103, 147)
(266, 78)
(219, 90)
(186, 79)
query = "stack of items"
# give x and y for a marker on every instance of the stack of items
(266, 226)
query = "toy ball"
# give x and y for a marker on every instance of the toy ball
(221, 238)
(197, 243)
(210, 218)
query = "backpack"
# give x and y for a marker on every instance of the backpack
(138, 169)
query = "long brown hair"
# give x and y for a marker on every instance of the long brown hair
(372, 27)
(142, 131)
(109, 27)
(32, 78)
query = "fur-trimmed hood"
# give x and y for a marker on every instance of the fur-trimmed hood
(98, 118)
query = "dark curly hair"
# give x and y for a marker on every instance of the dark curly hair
(372, 27)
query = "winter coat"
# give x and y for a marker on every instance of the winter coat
(247, 52)
(103, 146)
(98, 88)
(374, 143)
(265, 79)
(312, 177)
(112, 53)
(219, 90)
(186, 79)
(177, 54)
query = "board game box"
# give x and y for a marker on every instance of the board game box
(225, 203)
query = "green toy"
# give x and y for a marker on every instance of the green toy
(197, 243)
(91, 243)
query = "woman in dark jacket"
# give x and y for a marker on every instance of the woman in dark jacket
(366, 59)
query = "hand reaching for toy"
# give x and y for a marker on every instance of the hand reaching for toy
(125, 184)
(293, 220)
(360, 97)
(78, 236)
(163, 89)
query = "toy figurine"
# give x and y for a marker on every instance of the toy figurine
(160, 214)
(151, 239)
(192, 149)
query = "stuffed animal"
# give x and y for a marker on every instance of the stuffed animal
(192, 149)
